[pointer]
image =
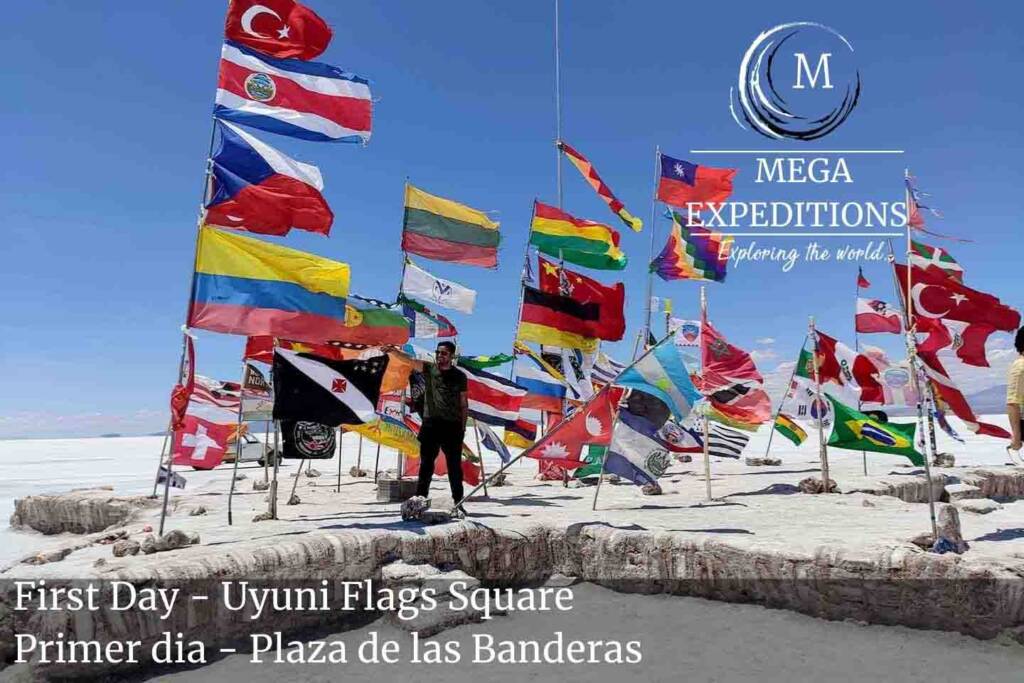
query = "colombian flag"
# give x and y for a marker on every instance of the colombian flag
(246, 286)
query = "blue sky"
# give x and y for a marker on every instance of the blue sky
(108, 120)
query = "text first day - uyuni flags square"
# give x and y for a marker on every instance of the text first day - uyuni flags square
(246, 286)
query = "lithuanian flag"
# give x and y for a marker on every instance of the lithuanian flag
(443, 230)
(576, 240)
(788, 427)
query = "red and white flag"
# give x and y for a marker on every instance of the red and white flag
(182, 391)
(493, 400)
(279, 28)
(948, 395)
(874, 315)
(591, 424)
(200, 443)
(226, 395)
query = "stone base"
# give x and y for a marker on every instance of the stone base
(395, 490)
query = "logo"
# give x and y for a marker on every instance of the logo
(797, 81)
(353, 316)
(690, 332)
(896, 377)
(442, 290)
(260, 87)
(313, 440)
(339, 385)
(657, 462)
(719, 348)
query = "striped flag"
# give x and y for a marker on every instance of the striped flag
(308, 100)
(544, 392)
(492, 399)
(725, 442)
(605, 369)
(227, 395)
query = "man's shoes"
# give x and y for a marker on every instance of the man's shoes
(457, 513)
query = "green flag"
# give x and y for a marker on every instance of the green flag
(858, 432)
(594, 460)
(484, 362)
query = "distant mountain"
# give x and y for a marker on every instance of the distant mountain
(111, 436)
(991, 400)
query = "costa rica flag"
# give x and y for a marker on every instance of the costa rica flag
(259, 189)
(307, 100)
(691, 186)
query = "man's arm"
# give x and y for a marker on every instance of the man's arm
(1013, 412)
(464, 407)
(1014, 391)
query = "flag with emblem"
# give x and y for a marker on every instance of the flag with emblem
(200, 443)
(637, 452)
(278, 28)
(330, 392)
(662, 373)
(373, 322)
(692, 186)
(611, 324)
(856, 431)
(923, 255)
(590, 424)
(874, 315)
(419, 284)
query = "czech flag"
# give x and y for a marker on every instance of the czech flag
(691, 186)
(308, 100)
(258, 189)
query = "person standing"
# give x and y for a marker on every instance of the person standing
(445, 408)
(1015, 393)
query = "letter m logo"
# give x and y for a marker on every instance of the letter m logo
(804, 68)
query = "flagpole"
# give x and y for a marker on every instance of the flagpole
(272, 498)
(707, 426)
(266, 451)
(341, 451)
(650, 253)
(160, 462)
(558, 106)
(604, 458)
(911, 344)
(480, 454)
(822, 448)
(782, 401)
(856, 348)
(238, 442)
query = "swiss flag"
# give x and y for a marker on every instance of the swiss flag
(200, 443)
(279, 28)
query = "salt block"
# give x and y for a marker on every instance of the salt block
(126, 547)
(957, 492)
(979, 506)
(402, 573)
(761, 462)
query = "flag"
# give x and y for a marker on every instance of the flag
(181, 394)
(801, 403)
(691, 186)
(948, 396)
(576, 366)
(576, 240)
(723, 363)
(307, 100)
(662, 373)
(278, 28)
(443, 230)
(389, 431)
(874, 315)
(258, 189)
(589, 174)
(685, 332)
(177, 481)
(372, 322)
(636, 452)
(590, 424)
(245, 286)
(484, 362)
(732, 383)
(520, 434)
(423, 322)
(724, 442)
(862, 282)
(544, 392)
(558, 320)
(542, 363)
(330, 392)
(490, 440)
(199, 443)
(227, 395)
(693, 253)
(923, 255)
(492, 399)
(611, 325)
(593, 463)
(605, 369)
(936, 295)
(420, 284)
(257, 396)
(261, 348)
(856, 431)
(788, 427)
(891, 384)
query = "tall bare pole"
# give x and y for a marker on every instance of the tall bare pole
(822, 447)
(558, 104)
(238, 443)
(856, 348)
(650, 254)
(707, 426)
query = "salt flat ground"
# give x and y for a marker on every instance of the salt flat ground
(754, 507)
(682, 639)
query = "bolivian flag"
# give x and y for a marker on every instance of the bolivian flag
(579, 241)
(247, 286)
(443, 230)
(858, 432)
(788, 427)
(558, 321)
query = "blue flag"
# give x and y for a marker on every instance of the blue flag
(663, 373)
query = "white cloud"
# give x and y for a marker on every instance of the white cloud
(777, 381)
(763, 355)
(971, 379)
(765, 341)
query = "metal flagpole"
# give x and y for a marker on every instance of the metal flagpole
(822, 448)
(856, 348)
(266, 451)
(272, 499)
(295, 484)
(558, 106)
(238, 443)
(359, 455)
(650, 254)
(160, 463)
(341, 451)
(707, 426)
(480, 454)
(782, 401)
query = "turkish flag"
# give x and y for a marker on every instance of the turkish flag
(200, 443)
(611, 324)
(279, 28)
(591, 424)
(937, 300)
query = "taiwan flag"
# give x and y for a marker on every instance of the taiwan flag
(259, 189)
(200, 444)
(279, 28)
(691, 186)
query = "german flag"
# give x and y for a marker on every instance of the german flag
(558, 321)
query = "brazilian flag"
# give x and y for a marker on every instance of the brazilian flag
(858, 432)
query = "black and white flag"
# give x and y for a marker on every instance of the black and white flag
(725, 442)
(177, 481)
(332, 392)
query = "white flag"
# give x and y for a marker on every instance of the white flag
(421, 285)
